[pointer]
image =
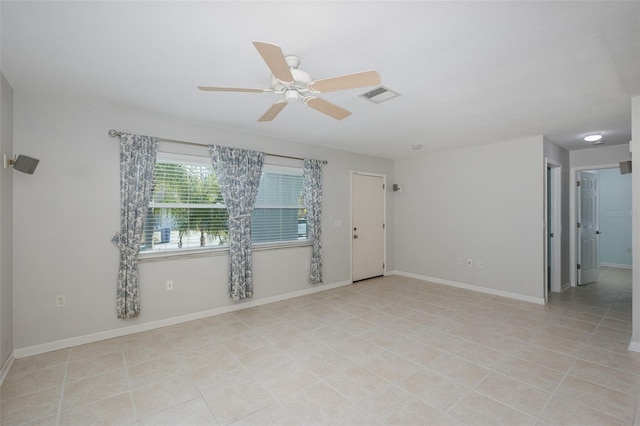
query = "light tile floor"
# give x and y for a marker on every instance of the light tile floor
(392, 350)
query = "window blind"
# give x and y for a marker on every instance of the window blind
(279, 214)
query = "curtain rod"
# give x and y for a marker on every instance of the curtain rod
(116, 134)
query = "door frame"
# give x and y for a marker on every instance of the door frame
(573, 220)
(384, 218)
(556, 225)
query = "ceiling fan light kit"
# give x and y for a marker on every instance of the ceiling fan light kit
(296, 85)
(291, 96)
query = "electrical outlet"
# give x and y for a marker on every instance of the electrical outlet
(469, 263)
(169, 285)
(60, 301)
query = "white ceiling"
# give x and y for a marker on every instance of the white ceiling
(468, 72)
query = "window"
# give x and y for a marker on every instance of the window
(279, 214)
(187, 209)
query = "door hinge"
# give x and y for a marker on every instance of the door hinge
(383, 226)
(578, 183)
(578, 224)
(578, 266)
(383, 265)
(383, 186)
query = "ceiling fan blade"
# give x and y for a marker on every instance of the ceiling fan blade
(273, 111)
(232, 89)
(328, 108)
(349, 81)
(273, 56)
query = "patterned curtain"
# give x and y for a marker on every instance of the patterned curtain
(312, 177)
(238, 172)
(137, 161)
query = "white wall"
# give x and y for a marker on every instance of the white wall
(598, 156)
(6, 223)
(67, 212)
(483, 203)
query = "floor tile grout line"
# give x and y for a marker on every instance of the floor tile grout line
(64, 384)
(129, 387)
(512, 354)
(500, 350)
(553, 393)
(204, 399)
(389, 383)
(475, 389)
(637, 394)
(469, 389)
(567, 373)
(495, 371)
(273, 398)
(243, 367)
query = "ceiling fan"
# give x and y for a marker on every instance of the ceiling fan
(297, 85)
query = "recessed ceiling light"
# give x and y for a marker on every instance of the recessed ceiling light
(593, 138)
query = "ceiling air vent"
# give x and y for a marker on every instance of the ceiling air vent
(379, 94)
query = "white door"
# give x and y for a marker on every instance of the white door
(555, 228)
(367, 226)
(588, 228)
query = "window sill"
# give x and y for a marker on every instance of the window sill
(160, 256)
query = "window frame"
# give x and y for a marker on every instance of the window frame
(196, 252)
(282, 170)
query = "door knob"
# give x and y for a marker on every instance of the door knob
(597, 232)
(355, 236)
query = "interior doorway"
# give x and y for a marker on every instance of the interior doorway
(367, 226)
(553, 228)
(600, 223)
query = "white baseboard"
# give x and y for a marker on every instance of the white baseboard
(566, 286)
(507, 294)
(124, 331)
(634, 346)
(616, 265)
(5, 367)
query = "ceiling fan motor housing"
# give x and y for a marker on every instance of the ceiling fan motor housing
(301, 80)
